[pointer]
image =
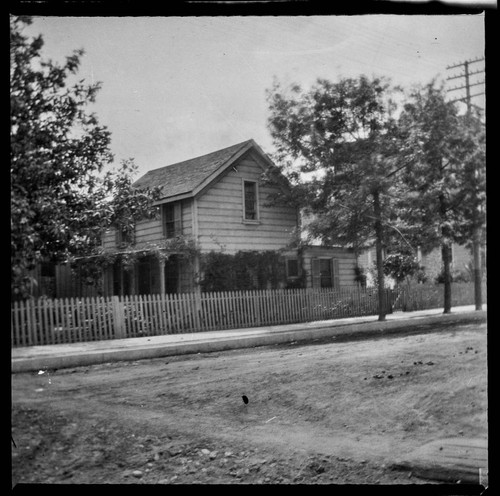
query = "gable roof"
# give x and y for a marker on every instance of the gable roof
(184, 179)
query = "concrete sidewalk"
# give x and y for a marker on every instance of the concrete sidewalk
(89, 353)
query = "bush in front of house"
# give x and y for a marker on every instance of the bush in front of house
(245, 270)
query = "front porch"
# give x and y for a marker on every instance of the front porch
(149, 274)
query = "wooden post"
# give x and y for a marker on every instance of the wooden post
(118, 318)
(256, 303)
(162, 275)
(132, 286)
(197, 308)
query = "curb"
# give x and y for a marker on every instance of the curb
(269, 337)
(453, 460)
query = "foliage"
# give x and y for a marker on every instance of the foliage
(401, 267)
(360, 275)
(61, 202)
(444, 179)
(464, 275)
(127, 204)
(90, 268)
(245, 270)
(337, 145)
(56, 148)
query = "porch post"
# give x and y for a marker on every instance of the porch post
(162, 275)
(132, 279)
(106, 283)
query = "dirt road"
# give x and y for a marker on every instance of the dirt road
(326, 412)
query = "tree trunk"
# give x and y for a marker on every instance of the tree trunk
(380, 261)
(446, 256)
(478, 297)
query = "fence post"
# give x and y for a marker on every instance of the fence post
(118, 318)
(197, 309)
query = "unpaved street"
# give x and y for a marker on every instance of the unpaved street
(325, 412)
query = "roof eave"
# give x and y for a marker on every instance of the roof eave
(173, 198)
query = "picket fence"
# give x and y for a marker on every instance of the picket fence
(426, 296)
(52, 321)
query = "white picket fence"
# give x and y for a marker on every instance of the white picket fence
(51, 321)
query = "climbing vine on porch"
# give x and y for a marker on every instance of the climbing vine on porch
(245, 270)
(91, 268)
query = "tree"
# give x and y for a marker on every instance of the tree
(125, 204)
(119, 205)
(61, 199)
(56, 148)
(441, 198)
(401, 267)
(473, 192)
(344, 134)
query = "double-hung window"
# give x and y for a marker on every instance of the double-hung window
(250, 201)
(172, 219)
(123, 236)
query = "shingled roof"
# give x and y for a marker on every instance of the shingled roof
(187, 177)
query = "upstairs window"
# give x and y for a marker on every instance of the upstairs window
(123, 237)
(250, 212)
(172, 220)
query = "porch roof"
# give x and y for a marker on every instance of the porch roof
(145, 251)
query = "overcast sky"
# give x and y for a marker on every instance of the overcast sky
(174, 88)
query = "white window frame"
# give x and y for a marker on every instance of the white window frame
(257, 211)
(177, 220)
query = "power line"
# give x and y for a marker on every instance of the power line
(467, 82)
(460, 64)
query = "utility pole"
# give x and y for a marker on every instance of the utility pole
(467, 83)
(476, 237)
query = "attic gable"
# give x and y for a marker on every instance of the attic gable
(187, 178)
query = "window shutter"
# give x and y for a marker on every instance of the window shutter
(162, 216)
(315, 273)
(178, 218)
(336, 275)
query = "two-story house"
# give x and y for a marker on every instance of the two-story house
(221, 203)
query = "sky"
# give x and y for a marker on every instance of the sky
(174, 88)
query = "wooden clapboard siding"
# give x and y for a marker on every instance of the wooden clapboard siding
(187, 217)
(220, 214)
(149, 231)
(345, 262)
